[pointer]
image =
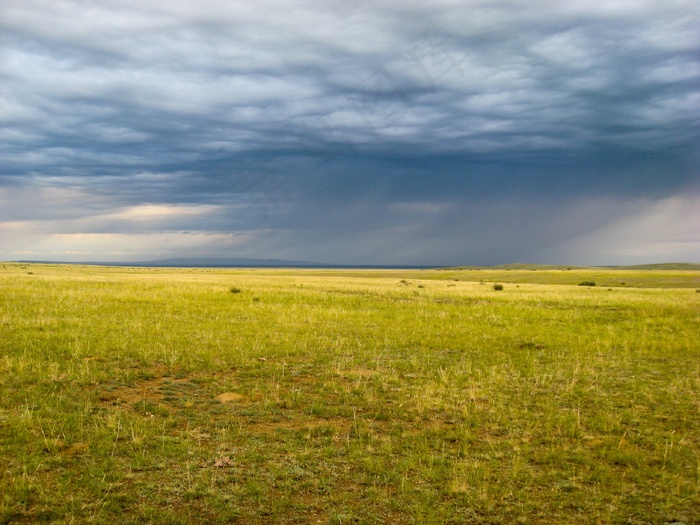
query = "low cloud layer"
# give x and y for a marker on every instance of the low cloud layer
(473, 132)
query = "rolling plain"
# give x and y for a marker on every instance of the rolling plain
(182, 396)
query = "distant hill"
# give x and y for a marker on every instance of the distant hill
(518, 266)
(523, 266)
(663, 266)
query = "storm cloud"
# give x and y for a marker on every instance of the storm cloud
(384, 132)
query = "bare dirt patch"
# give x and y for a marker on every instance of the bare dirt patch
(148, 391)
(361, 372)
(230, 397)
(156, 391)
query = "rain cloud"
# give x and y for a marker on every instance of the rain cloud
(384, 132)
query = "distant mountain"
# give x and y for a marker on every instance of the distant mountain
(201, 262)
(212, 262)
(229, 262)
(242, 262)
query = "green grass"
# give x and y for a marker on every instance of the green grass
(159, 396)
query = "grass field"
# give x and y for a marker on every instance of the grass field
(315, 396)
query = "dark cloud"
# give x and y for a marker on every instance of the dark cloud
(382, 132)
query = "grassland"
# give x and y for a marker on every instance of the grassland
(308, 396)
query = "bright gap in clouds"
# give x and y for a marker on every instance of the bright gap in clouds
(666, 230)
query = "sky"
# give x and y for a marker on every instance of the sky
(382, 132)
